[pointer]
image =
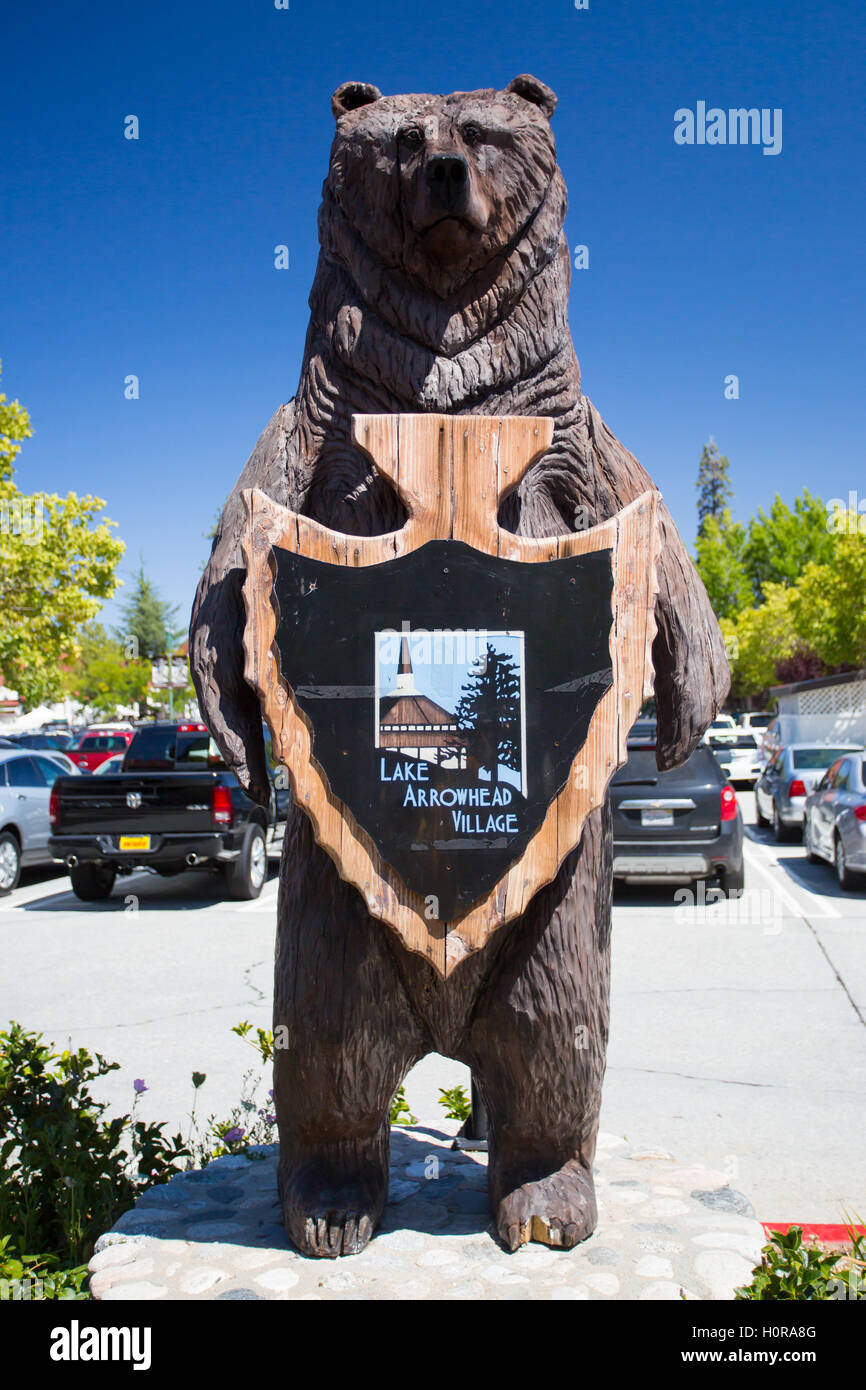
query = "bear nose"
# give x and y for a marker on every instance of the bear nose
(447, 178)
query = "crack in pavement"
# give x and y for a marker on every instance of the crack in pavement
(723, 1081)
(262, 997)
(822, 948)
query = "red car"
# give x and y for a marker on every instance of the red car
(96, 745)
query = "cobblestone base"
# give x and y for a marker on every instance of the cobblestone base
(663, 1230)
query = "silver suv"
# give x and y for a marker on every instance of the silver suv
(26, 779)
(790, 775)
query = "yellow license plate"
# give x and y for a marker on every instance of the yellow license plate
(135, 842)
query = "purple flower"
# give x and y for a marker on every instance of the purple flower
(271, 1119)
(232, 1136)
(270, 1095)
(140, 1087)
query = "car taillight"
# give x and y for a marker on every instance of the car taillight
(54, 806)
(797, 788)
(860, 813)
(729, 804)
(222, 811)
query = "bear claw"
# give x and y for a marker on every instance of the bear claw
(559, 1210)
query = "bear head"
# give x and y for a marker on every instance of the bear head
(440, 186)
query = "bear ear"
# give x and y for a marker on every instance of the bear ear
(350, 95)
(532, 90)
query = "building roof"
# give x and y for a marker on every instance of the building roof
(415, 709)
(818, 682)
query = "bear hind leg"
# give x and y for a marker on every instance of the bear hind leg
(537, 1050)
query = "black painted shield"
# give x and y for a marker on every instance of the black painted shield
(448, 693)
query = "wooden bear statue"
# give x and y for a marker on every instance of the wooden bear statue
(442, 289)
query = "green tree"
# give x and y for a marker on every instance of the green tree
(14, 427)
(720, 549)
(489, 713)
(758, 638)
(149, 620)
(103, 676)
(782, 542)
(715, 492)
(58, 562)
(829, 602)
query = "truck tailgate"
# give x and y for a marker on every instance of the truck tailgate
(159, 803)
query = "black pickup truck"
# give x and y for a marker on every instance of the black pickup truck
(174, 805)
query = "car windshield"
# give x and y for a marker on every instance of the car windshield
(738, 741)
(760, 721)
(811, 759)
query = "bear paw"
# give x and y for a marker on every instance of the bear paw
(559, 1210)
(326, 1218)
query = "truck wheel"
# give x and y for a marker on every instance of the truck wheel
(245, 876)
(10, 863)
(92, 882)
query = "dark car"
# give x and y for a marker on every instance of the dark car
(673, 826)
(174, 805)
(44, 742)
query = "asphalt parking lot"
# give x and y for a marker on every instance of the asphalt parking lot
(738, 1035)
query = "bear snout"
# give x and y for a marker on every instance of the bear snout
(447, 177)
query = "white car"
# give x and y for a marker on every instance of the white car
(755, 721)
(740, 758)
(723, 727)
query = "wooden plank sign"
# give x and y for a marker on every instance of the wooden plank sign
(450, 699)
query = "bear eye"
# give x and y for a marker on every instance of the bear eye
(472, 134)
(413, 136)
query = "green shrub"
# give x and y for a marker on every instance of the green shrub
(66, 1172)
(33, 1277)
(400, 1114)
(789, 1269)
(457, 1104)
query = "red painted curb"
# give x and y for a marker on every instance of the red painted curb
(833, 1234)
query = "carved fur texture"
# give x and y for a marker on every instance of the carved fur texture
(442, 285)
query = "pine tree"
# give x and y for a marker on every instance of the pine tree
(488, 712)
(149, 620)
(715, 493)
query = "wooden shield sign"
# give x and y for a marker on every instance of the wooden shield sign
(450, 700)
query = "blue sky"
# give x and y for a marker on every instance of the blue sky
(155, 257)
(442, 661)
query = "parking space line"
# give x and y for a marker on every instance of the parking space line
(756, 852)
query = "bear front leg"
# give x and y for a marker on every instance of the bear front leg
(350, 1040)
(537, 1046)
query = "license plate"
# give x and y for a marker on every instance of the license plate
(652, 816)
(129, 842)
